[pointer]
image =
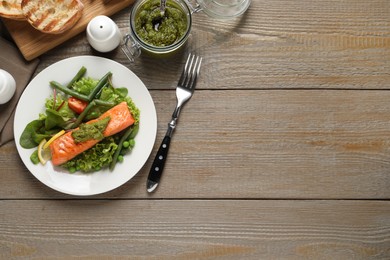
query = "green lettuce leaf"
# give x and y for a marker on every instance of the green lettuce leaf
(85, 85)
(95, 158)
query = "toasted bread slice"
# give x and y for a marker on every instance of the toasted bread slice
(52, 16)
(11, 9)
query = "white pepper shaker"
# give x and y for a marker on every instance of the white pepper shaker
(7, 86)
(103, 34)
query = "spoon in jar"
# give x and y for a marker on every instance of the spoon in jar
(163, 4)
(158, 20)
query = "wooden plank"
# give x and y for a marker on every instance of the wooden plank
(258, 144)
(284, 44)
(32, 43)
(182, 229)
(275, 45)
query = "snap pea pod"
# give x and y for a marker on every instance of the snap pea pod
(124, 137)
(77, 77)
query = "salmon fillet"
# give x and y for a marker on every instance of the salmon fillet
(64, 148)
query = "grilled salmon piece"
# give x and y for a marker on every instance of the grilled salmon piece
(64, 148)
(12, 9)
(52, 16)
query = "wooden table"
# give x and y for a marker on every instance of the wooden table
(282, 153)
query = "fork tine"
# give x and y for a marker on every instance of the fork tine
(191, 72)
(188, 73)
(195, 72)
(184, 73)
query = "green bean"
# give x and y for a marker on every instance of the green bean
(77, 77)
(101, 90)
(124, 137)
(83, 114)
(90, 105)
(92, 115)
(134, 132)
(100, 102)
(68, 91)
(102, 82)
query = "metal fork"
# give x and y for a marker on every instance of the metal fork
(184, 90)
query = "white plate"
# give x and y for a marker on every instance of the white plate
(32, 102)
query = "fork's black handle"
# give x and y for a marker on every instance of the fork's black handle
(158, 164)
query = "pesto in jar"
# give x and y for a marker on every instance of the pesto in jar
(159, 29)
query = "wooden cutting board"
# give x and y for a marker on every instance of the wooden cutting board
(33, 43)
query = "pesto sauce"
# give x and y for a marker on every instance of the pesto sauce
(160, 30)
(90, 131)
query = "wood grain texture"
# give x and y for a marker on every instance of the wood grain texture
(127, 229)
(260, 144)
(33, 43)
(276, 45)
(282, 153)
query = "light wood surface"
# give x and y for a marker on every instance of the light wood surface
(193, 229)
(282, 153)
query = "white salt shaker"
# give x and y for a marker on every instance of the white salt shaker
(103, 34)
(7, 86)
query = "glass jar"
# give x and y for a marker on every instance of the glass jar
(145, 34)
(146, 21)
